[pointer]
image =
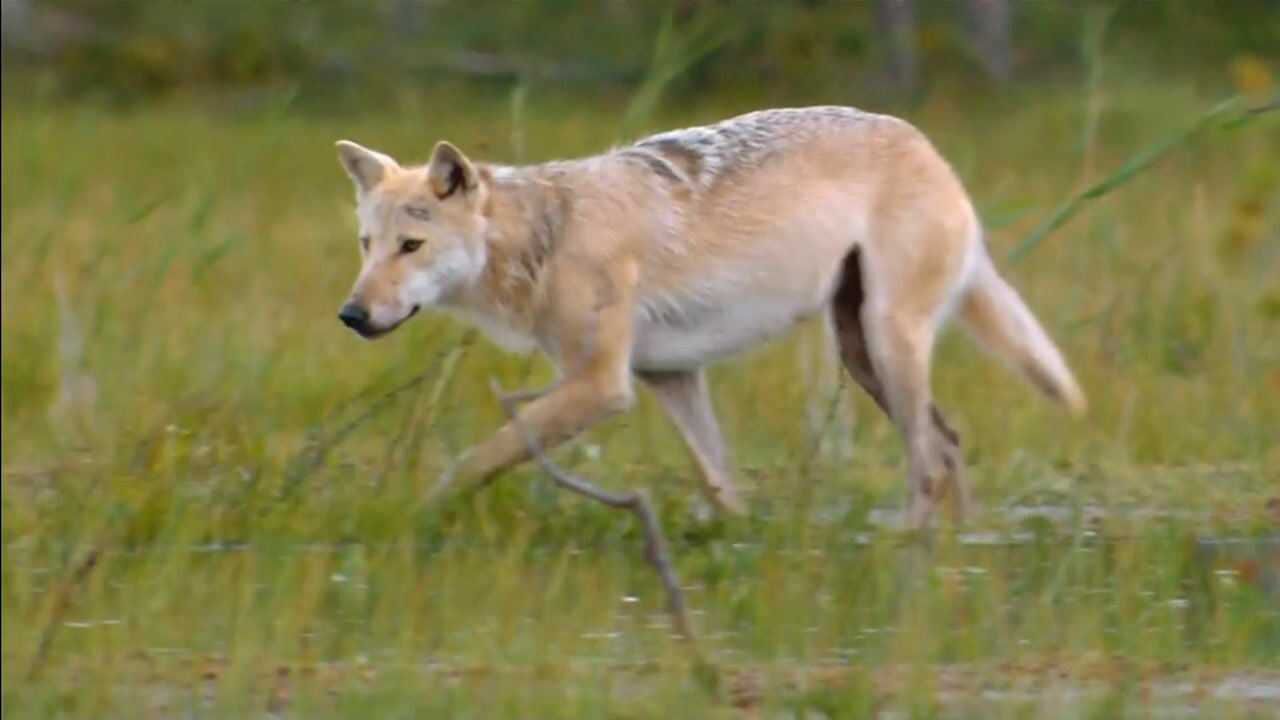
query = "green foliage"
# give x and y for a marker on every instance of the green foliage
(1126, 172)
(212, 491)
(137, 48)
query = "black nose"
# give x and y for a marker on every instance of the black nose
(354, 316)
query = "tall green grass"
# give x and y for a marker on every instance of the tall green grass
(247, 472)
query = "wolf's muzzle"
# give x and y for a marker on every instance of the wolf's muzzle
(355, 317)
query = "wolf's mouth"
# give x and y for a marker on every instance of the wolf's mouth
(371, 333)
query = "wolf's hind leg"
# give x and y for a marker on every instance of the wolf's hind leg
(847, 317)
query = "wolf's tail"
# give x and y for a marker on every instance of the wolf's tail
(1001, 322)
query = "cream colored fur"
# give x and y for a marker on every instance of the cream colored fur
(654, 260)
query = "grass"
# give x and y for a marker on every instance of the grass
(181, 407)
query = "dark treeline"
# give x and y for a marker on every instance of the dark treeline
(145, 47)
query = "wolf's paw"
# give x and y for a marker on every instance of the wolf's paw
(449, 479)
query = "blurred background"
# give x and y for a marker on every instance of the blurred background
(211, 488)
(129, 50)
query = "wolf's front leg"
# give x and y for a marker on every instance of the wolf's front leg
(552, 419)
(592, 320)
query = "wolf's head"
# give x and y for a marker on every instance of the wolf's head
(421, 234)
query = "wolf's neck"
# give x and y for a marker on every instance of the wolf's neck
(528, 211)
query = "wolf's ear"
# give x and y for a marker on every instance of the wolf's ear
(450, 171)
(366, 167)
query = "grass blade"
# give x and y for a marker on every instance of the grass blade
(1135, 165)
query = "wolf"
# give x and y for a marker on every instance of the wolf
(647, 263)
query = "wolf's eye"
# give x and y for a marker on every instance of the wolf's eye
(408, 245)
(364, 243)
